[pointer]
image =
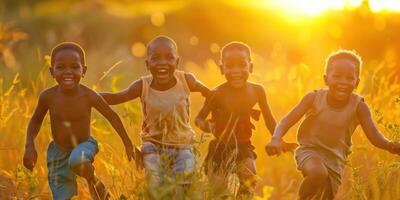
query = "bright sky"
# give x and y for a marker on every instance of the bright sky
(316, 7)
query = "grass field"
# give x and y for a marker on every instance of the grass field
(370, 173)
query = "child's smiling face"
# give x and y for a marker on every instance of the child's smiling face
(342, 78)
(236, 66)
(162, 60)
(67, 69)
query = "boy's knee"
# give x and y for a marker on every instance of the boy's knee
(316, 170)
(82, 154)
(319, 174)
(77, 158)
(185, 161)
(247, 170)
(247, 177)
(152, 162)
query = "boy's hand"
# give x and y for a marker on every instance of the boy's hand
(289, 146)
(205, 125)
(135, 154)
(30, 158)
(394, 147)
(129, 150)
(274, 147)
(138, 159)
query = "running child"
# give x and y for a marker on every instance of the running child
(69, 103)
(331, 116)
(166, 132)
(231, 107)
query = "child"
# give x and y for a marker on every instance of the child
(166, 133)
(231, 105)
(331, 116)
(69, 103)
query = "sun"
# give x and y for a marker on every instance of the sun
(384, 5)
(317, 7)
(311, 7)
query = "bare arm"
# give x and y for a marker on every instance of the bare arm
(195, 85)
(132, 92)
(369, 127)
(294, 116)
(99, 103)
(110, 115)
(265, 110)
(30, 155)
(276, 145)
(201, 121)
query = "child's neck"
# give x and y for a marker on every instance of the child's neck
(237, 88)
(69, 92)
(163, 86)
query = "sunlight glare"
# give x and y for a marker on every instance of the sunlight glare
(309, 7)
(354, 3)
(317, 7)
(384, 5)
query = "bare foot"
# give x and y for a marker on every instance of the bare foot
(98, 191)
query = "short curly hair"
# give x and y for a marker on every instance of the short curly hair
(161, 38)
(70, 46)
(235, 45)
(350, 55)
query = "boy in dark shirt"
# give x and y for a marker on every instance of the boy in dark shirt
(69, 103)
(231, 105)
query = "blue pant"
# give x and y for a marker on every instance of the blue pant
(61, 162)
(161, 162)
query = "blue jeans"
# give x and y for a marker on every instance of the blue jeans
(61, 162)
(163, 163)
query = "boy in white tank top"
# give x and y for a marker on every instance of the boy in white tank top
(166, 133)
(324, 136)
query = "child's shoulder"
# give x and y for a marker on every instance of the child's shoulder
(218, 91)
(357, 96)
(188, 75)
(88, 91)
(255, 86)
(49, 92)
(310, 97)
(221, 87)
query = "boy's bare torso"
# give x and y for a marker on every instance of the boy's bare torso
(69, 115)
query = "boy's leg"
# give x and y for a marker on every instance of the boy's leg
(218, 172)
(218, 183)
(152, 164)
(80, 162)
(247, 177)
(184, 165)
(316, 179)
(219, 165)
(62, 180)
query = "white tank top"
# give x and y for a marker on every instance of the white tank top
(167, 113)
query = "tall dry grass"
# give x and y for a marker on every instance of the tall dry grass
(370, 173)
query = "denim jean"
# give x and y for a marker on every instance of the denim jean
(165, 164)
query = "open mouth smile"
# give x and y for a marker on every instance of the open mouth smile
(68, 80)
(162, 73)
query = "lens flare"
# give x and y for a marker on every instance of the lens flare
(317, 7)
